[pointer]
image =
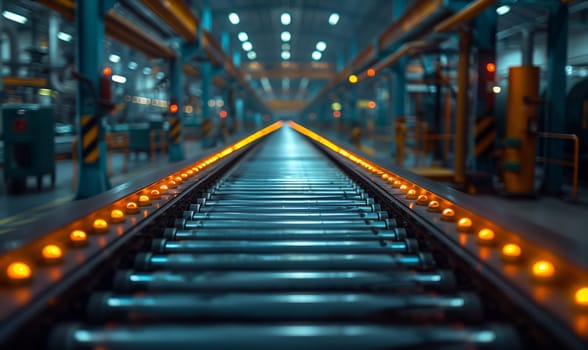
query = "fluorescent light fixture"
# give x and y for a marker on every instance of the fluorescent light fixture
(285, 47)
(316, 55)
(267, 87)
(64, 36)
(133, 65)
(242, 36)
(15, 17)
(159, 75)
(234, 18)
(251, 55)
(303, 83)
(114, 58)
(119, 79)
(333, 18)
(147, 70)
(503, 10)
(569, 70)
(285, 18)
(321, 46)
(286, 55)
(496, 89)
(247, 46)
(286, 36)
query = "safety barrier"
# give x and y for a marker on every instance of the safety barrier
(573, 164)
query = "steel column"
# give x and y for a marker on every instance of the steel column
(93, 178)
(176, 152)
(557, 45)
(461, 122)
(206, 76)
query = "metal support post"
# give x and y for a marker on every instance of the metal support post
(462, 110)
(93, 178)
(176, 152)
(557, 45)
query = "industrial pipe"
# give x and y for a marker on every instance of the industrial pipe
(463, 16)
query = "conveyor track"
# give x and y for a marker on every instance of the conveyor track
(284, 251)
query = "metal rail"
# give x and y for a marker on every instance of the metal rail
(574, 164)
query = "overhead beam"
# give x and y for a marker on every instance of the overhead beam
(296, 73)
(177, 15)
(283, 105)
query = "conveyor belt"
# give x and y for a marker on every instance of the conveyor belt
(285, 251)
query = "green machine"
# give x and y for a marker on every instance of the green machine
(29, 148)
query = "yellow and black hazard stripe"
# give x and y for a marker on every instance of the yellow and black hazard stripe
(90, 150)
(175, 129)
(485, 136)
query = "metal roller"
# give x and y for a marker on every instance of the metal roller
(248, 281)
(388, 308)
(283, 247)
(311, 203)
(278, 223)
(286, 337)
(284, 215)
(283, 208)
(276, 262)
(285, 235)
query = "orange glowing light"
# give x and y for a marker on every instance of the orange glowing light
(422, 199)
(396, 184)
(172, 184)
(371, 104)
(190, 172)
(100, 226)
(411, 194)
(163, 189)
(448, 214)
(178, 179)
(403, 187)
(543, 270)
(155, 194)
(491, 67)
(486, 236)
(19, 271)
(385, 176)
(173, 108)
(352, 79)
(184, 176)
(371, 72)
(464, 224)
(117, 215)
(51, 252)
(336, 114)
(78, 237)
(511, 252)
(581, 297)
(132, 208)
(107, 71)
(144, 200)
(223, 114)
(434, 206)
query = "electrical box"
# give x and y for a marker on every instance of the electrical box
(29, 147)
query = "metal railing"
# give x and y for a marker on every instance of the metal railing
(574, 164)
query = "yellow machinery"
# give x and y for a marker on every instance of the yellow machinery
(521, 130)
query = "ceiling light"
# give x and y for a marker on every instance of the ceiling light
(503, 10)
(286, 47)
(159, 75)
(15, 17)
(333, 19)
(321, 46)
(247, 46)
(119, 79)
(316, 55)
(251, 55)
(114, 58)
(64, 36)
(242, 36)
(233, 18)
(285, 36)
(147, 70)
(286, 55)
(133, 65)
(285, 18)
